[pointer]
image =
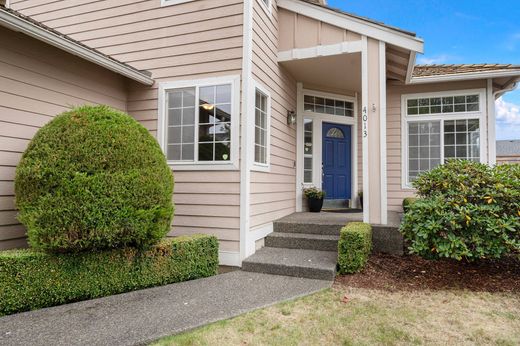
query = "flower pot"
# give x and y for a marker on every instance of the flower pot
(315, 204)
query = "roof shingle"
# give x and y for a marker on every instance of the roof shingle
(442, 70)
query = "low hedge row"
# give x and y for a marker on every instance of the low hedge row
(31, 280)
(355, 244)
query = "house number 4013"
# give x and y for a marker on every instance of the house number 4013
(365, 122)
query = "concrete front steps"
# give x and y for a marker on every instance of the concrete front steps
(300, 249)
(306, 245)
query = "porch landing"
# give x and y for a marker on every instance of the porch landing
(305, 244)
(335, 218)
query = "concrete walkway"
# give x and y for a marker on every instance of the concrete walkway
(143, 316)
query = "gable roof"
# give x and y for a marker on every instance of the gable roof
(355, 23)
(508, 148)
(438, 72)
(370, 20)
(16, 21)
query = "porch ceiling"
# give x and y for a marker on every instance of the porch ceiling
(337, 71)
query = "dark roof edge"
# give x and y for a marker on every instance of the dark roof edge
(16, 21)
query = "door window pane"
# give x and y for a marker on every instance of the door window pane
(307, 151)
(328, 106)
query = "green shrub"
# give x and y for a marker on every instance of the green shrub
(31, 280)
(467, 211)
(407, 202)
(355, 244)
(94, 178)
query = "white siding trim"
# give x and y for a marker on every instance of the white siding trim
(256, 165)
(162, 121)
(492, 144)
(246, 161)
(382, 124)
(299, 147)
(173, 2)
(411, 66)
(351, 23)
(256, 234)
(364, 135)
(465, 76)
(319, 51)
(228, 258)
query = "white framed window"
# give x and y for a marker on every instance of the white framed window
(440, 126)
(262, 121)
(198, 123)
(266, 6)
(173, 2)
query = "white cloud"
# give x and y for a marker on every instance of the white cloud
(439, 59)
(507, 120)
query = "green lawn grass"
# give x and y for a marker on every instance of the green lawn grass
(353, 316)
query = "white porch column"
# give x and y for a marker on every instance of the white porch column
(373, 100)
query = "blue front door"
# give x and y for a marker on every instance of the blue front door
(337, 156)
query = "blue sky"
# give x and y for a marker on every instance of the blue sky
(457, 31)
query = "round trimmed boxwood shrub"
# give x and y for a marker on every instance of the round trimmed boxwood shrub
(467, 210)
(93, 178)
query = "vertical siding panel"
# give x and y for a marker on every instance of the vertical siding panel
(273, 193)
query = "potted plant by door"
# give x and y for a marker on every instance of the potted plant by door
(314, 198)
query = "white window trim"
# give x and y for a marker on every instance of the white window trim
(257, 166)
(173, 2)
(268, 8)
(232, 164)
(405, 118)
(317, 137)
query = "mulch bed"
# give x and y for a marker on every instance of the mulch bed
(396, 273)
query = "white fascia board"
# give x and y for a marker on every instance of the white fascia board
(465, 76)
(17, 24)
(360, 26)
(411, 65)
(319, 51)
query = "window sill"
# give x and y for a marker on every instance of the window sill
(228, 166)
(261, 168)
(173, 2)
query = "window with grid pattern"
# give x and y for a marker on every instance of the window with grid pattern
(199, 124)
(328, 106)
(440, 128)
(261, 130)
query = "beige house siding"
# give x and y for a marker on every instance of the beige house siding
(273, 193)
(396, 193)
(297, 31)
(193, 40)
(37, 82)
